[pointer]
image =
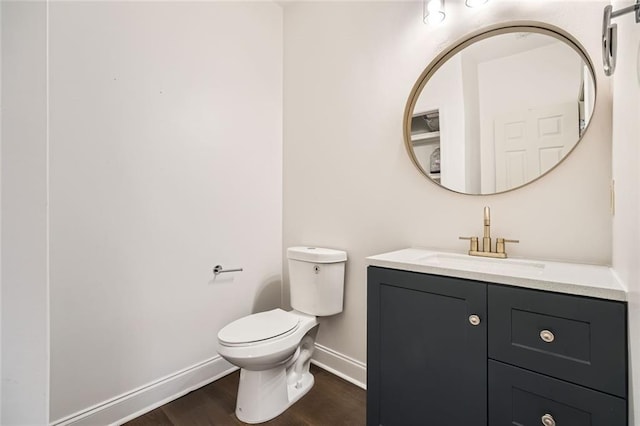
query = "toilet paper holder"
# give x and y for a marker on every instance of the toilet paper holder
(218, 269)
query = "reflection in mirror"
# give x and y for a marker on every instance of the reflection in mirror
(500, 110)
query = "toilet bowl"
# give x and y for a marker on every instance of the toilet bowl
(264, 340)
(273, 349)
(269, 348)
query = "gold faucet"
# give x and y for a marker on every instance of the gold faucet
(486, 251)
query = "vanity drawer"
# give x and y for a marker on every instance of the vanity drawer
(574, 338)
(521, 397)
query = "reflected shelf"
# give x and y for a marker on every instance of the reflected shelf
(424, 138)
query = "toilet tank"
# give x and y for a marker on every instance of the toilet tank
(316, 279)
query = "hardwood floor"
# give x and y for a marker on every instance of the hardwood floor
(332, 401)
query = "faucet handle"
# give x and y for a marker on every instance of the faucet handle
(500, 244)
(473, 242)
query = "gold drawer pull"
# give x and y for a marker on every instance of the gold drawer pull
(547, 420)
(548, 337)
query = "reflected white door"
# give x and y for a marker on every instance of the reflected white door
(530, 142)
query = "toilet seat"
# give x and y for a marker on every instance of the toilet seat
(259, 328)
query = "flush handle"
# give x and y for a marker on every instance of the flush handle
(548, 420)
(474, 320)
(547, 336)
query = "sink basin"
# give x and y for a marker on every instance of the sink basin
(481, 264)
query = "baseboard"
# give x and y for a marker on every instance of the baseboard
(132, 404)
(341, 365)
(135, 403)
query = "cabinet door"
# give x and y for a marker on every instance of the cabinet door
(426, 362)
(522, 397)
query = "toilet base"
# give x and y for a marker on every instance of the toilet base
(263, 395)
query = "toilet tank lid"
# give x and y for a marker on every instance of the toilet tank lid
(316, 254)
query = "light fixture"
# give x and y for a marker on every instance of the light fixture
(433, 11)
(610, 34)
(475, 3)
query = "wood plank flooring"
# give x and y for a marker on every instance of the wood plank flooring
(332, 402)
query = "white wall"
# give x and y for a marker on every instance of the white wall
(24, 215)
(471, 94)
(348, 182)
(626, 162)
(164, 158)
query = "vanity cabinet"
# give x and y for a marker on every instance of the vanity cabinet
(426, 363)
(451, 351)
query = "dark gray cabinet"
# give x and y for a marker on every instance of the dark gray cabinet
(522, 397)
(426, 362)
(556, 358)
(531, 358)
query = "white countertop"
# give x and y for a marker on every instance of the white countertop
(569, 278)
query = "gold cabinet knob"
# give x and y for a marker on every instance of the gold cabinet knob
(548, 420)
(474, 319)
(547, 336)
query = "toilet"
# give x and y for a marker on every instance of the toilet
(273, 349)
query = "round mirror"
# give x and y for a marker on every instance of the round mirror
(500, 108)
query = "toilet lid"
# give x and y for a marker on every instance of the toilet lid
(260, 326)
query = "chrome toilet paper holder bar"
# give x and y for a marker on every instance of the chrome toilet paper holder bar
(218, 269)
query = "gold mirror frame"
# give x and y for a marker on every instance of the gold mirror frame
(469, 39)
